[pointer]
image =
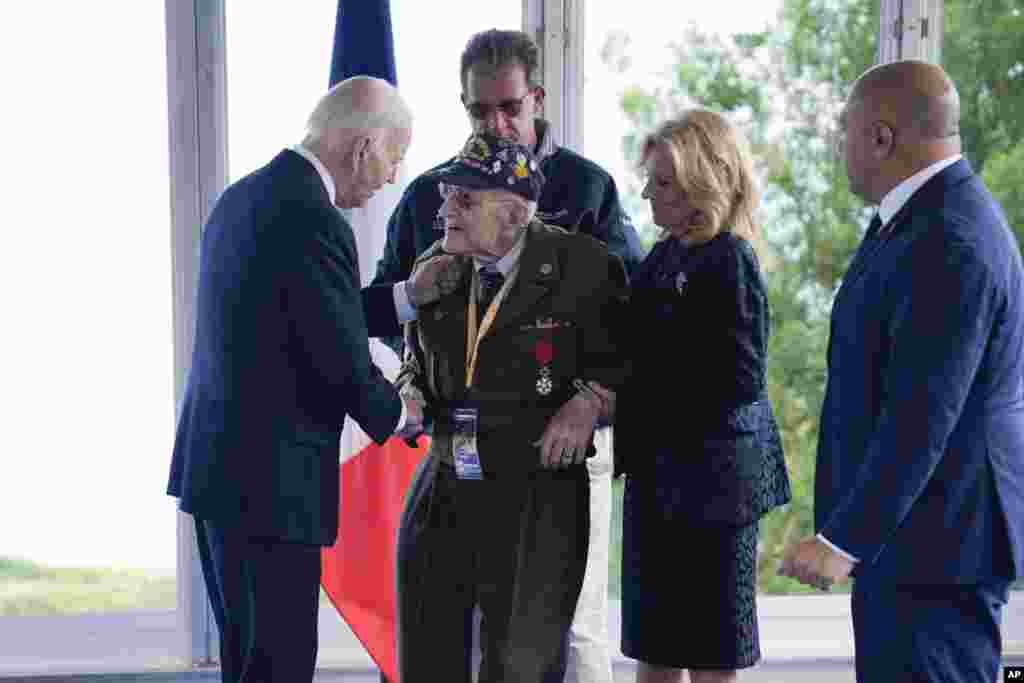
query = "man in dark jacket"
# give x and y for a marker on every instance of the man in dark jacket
(281, 357)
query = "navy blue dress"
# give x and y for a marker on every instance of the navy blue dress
(702, 453)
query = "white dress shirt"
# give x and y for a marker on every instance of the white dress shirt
(894, 200)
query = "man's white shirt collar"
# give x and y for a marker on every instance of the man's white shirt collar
(325, 175)
(901, 194)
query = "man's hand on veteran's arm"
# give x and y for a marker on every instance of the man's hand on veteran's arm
(814, 563)
(569, 432)
(607, 399)
(436, 277)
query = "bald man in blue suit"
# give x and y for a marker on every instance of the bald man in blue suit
(919, 487)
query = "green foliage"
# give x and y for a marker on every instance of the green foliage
(983, 50)
(13, 568)
(784, 88)
(28, 588)
(1004, 176)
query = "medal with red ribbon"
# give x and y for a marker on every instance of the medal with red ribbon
(544, 352)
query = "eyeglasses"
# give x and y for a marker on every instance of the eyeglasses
(457, 196)
(510, 108)
(464, 200)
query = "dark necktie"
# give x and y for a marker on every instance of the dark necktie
(491, 281)
(875, 226)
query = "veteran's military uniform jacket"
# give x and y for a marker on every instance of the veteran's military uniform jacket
(558, 323)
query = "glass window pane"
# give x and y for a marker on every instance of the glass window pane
(427, 52)
(279, 64)
(86, 357)
(767, 66)
(272, 91)
(981, 50)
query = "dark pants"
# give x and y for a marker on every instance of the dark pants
(265, 596)
(928, 633)
(514, 546)
(556, 674)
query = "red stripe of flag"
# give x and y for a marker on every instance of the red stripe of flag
(359, 569)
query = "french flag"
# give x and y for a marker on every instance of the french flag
(359, 570)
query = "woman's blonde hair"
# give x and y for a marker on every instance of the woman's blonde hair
(713, 168)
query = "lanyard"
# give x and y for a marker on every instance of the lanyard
(473, 336)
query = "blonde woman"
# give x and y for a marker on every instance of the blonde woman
(703, 456)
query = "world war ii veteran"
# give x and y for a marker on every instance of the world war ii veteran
(503, 522)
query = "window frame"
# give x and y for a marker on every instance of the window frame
(197, 135)
(557, 28)
(911, 29)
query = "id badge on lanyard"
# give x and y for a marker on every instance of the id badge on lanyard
(466, 420)
(467, 458)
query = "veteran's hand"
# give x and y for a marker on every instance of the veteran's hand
(432, 279)
(607, 397)
(813, 563)
(569, 433)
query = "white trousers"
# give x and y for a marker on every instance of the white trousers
(590, 658)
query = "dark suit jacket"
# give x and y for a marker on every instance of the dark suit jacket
(921, 456)
(567, 279)
(280, 358)
(694, 419)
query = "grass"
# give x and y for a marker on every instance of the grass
(29, 588)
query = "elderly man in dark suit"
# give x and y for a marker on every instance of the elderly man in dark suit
(499, 515)
(280, 358)
(919, 486)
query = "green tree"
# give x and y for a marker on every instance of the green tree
(1004, 176)
(983, 50)
(785, 88)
